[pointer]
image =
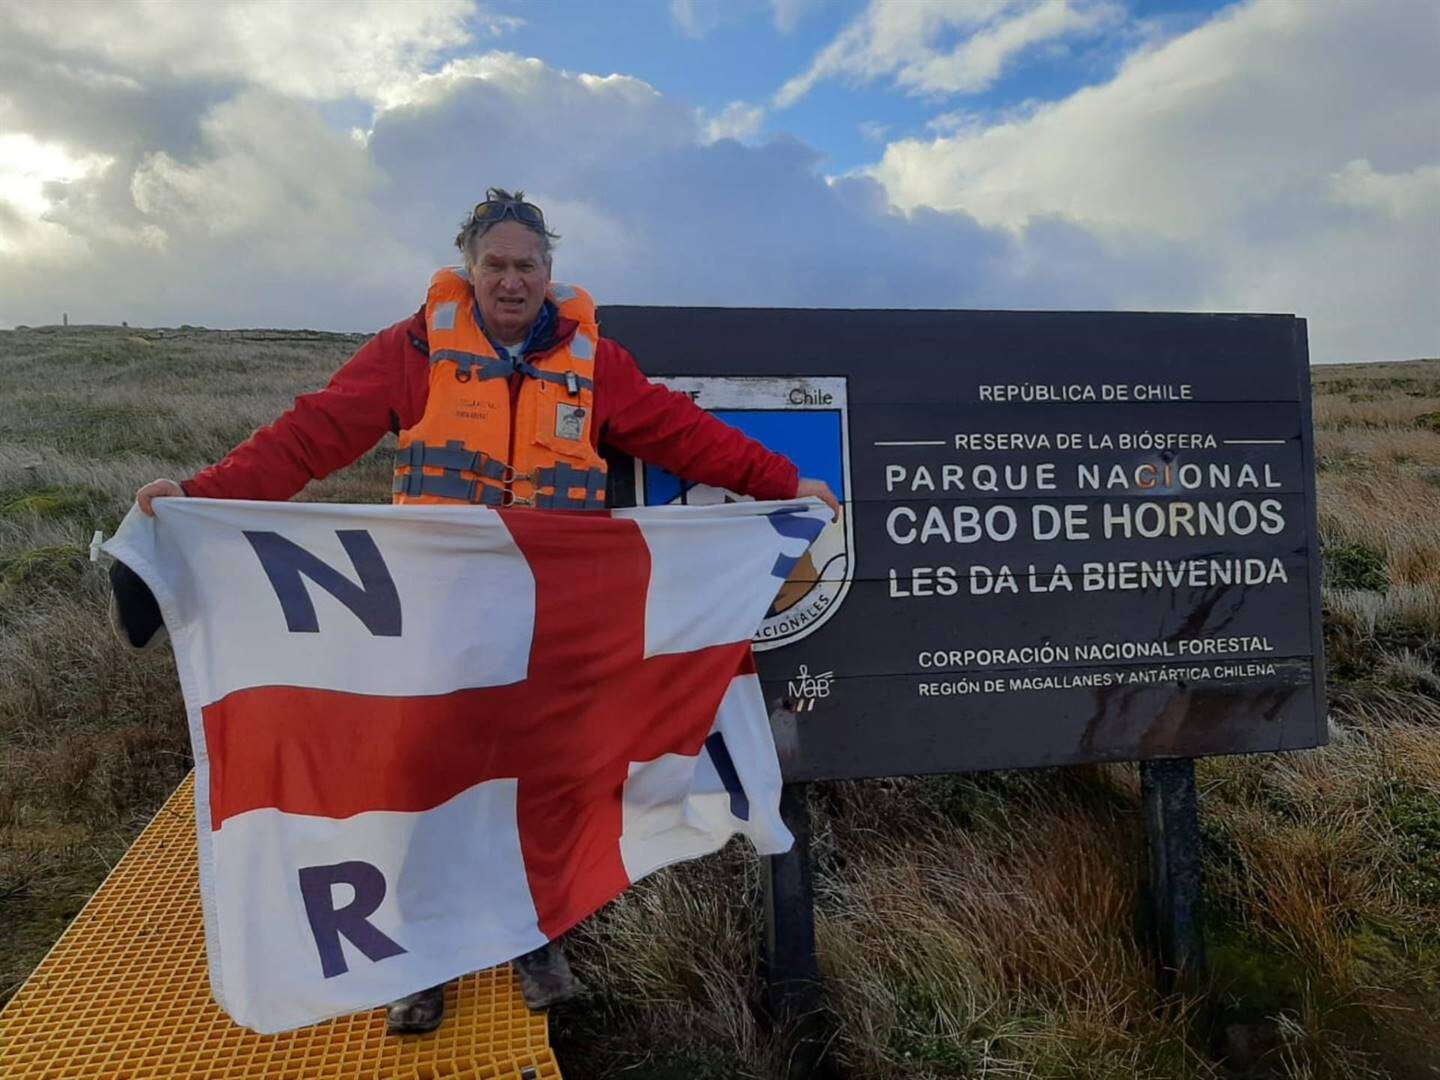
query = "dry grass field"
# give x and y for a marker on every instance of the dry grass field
(969, 927)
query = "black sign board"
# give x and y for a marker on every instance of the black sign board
(1067, 537)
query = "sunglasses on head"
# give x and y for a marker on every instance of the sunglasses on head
(493, 210)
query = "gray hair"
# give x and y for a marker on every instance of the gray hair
(471, 229)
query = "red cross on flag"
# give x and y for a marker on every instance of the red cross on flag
(430, 738)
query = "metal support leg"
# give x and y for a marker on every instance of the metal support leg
(789, 965)
(1172, 829)
(792, 973)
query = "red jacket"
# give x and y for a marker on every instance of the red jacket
(383, 387)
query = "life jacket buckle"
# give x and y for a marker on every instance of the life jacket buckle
(572, 383)
(509, 499)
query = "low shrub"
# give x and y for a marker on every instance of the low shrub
(1355, 566)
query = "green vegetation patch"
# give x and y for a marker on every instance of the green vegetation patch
(1254, 981)
(1341, 461)
(918, 1035)
(111, 429)
(1383, 955)
(1414, 817)
(1429, 421)
(58, 566)
(53, 502)
(1374, 383)
(971, 800)
(1355, 566)
(87, 428)
(110, 350)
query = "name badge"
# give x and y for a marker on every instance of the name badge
(569, 421)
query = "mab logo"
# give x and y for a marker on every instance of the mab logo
(805, 419)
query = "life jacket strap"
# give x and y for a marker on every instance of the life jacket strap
(566, 502)
(454, 456)
(474, 365)
(456, 488)
(564, 476)
(572, 382)
(477, 366)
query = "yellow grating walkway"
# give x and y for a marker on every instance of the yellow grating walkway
(124, 995)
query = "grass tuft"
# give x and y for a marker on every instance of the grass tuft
(57, 566)
(51, 502)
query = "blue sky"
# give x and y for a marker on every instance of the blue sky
(305, 163)
(734, 52)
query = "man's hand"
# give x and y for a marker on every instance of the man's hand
(157, 489)
(821, 491)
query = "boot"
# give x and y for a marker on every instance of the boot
(546, 978)
(416, 1014)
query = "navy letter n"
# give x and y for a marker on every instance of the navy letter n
(375, 601)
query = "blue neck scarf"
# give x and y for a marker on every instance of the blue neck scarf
(541, 330)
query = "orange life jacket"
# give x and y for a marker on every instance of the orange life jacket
(471, 446)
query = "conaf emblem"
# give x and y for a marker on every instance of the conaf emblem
(805, 419)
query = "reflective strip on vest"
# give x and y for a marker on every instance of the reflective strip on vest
(452, 486)
(491, 367)
(581, 347)
(443, 317)
(454, 456)
(565, 502)
(564, 378)
(562, 478)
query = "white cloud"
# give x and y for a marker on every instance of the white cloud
(1249, 141)
(737, 120)
(696, 18)
(788, 14)
(271, 216)
(29, 168)
(268, 168)
(699, 18)
(1270, 160)
(140, 94)
(1413, 195)
(318, 50)
(976, 63)
(27, 165)
(909, 42)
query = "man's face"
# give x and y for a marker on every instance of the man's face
(510, 276)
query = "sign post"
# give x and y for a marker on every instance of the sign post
(792, 972)
(1172, 834)
(1067, 537)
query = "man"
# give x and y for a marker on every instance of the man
(502, 393)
